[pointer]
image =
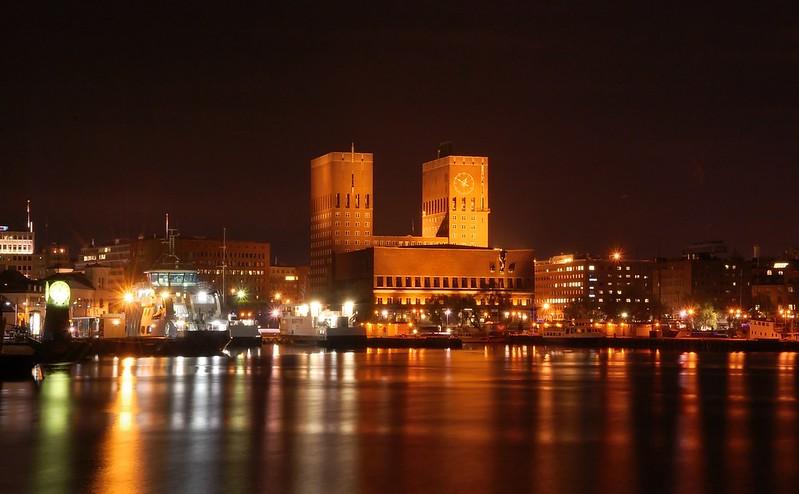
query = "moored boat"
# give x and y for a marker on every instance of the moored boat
(311, 325)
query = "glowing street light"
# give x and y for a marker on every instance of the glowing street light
(241, 294)
(447, 312)
(616, 255)
(128, 297)
(384, 313)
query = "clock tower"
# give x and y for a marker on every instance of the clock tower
(455, 199)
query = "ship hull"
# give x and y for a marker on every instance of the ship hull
(192, 344)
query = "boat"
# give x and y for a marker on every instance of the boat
(311, 325)
(570, 335)
(244, 332)
(173, 313)
(17, 360)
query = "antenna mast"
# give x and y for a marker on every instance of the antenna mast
(28, 211)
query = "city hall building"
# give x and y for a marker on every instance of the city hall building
(405, 282)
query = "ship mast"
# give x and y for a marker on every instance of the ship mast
(224, 264)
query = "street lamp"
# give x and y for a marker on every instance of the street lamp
(447, 312)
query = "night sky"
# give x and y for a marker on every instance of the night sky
(605, 127)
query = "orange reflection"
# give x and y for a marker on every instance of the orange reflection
(121, 471)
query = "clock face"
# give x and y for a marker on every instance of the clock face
(464, 183)
(58, 294)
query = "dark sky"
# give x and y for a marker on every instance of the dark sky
(606, 127)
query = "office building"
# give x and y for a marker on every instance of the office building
(588, 287)
(405, 283)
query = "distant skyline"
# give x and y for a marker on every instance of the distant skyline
(605, 127)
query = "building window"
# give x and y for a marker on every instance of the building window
(454, 282)
(367, 202)
(407, 281)
(398, 282)
(379, 282)
(417, 282)
(338, 200)
(348, 200)
(389, 281)
(473, 283)
(427, 282)
(357, 200)
(436, 282)
(454, 203)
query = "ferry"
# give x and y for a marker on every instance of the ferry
(311, 325)
(176, 309)
(571, 332)
(762, 330)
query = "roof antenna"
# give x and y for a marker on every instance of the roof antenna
(28, 211)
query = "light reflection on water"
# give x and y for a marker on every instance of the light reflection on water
(482, 419)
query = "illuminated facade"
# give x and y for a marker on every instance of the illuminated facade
(455, 200)
(246, 263)
(775, 289)
(246, 266)
(342, 203)
(407, 282)
(288, 284)
(17, 250)
(699, 279)
(617, 288)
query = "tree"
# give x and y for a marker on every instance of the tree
(583, 311)
(706, 317)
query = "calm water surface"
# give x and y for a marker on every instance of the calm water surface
(493, 419)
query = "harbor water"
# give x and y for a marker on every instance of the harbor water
(495, 418)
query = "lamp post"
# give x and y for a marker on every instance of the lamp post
(447, 312)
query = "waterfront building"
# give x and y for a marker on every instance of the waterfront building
(775, 288)
(414, 283)
(342, 203)
(570, 286)
(17, 248)
(455, 199)
(23, 299)
(704, 275)
(245, 264)
(288, 284)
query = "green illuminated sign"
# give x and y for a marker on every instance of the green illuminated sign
(57, 294)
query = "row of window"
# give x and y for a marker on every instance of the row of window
(356, 215)
(16, 248)
(356, 200)
(524, 302)
(448, 282)
(20, 258)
